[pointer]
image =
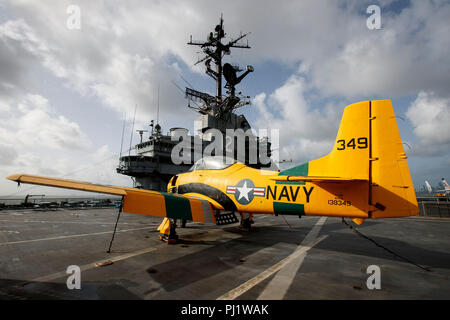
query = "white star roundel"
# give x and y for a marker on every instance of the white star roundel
(244, 191)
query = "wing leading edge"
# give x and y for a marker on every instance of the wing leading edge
(139, 201)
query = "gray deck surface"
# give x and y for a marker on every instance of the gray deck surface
(212, 262)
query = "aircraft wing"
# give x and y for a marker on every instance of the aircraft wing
(315, 179)
(140, 201)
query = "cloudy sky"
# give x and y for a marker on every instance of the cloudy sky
(64, 92)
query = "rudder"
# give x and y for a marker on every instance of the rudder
(392, 190)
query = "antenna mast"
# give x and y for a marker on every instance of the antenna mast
(215, 50)
(132, 128)
(157, 112)
(123, 131)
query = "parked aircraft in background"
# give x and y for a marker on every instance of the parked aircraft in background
(446, 190)
(427, 187)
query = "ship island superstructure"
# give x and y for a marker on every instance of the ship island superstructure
(152, 166)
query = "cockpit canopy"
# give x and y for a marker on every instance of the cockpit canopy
(213, 163)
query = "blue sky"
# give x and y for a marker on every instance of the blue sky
(64, 93)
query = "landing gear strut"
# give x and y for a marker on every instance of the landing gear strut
(246, 221)
(167, 231)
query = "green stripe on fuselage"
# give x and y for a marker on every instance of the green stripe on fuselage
(292, 208)
(301, 170)
(289, 208)
(177, 207)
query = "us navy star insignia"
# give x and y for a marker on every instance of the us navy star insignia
(244, 191)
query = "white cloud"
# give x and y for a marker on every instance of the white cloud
(96, 166)
(430, 116)
(30, 123)
(35, 139)
(33, 102)
(128, 46)
(7, 154)
(124, 51)
(409, 54)
(305, 132)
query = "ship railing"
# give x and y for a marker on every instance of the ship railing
(434, 207)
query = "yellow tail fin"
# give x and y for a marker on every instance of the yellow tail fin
(368, 148)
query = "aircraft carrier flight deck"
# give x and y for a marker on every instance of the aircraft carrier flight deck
(280, 258)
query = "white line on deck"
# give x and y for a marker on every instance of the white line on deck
(72, 236)
(280, 283)
(76, 222)
(73, 222)
(301, 250)
(93, 265)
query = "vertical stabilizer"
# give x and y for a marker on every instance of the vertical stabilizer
(368, 149)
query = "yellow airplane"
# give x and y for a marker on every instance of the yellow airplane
(365, 176)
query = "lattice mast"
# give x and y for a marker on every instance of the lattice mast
(214, 51)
